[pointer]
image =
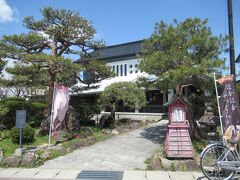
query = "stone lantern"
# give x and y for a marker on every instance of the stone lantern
(208, 124)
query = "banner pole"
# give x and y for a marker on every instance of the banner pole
(51, 117)
(219, 110)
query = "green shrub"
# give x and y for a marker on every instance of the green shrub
(85, 112)
(39, 98)
(36, 113)
(13, 99)
(12, 104)
(198, 146)
(173, 166)
(28, 135)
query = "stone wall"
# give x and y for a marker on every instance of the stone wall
(132, 116)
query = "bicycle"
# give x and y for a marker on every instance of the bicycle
(220, 161)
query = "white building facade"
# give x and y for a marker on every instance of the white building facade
(124, 60)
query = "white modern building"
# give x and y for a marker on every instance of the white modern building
(124, 60)
(19, 91)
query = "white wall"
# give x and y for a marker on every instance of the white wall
(131, 67)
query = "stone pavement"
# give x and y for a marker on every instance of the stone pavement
(44, 174)
(112, 159)
(127, 151)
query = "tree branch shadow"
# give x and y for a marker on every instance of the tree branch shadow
(156, 134)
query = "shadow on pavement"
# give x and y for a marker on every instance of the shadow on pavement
(156, 134)
(201, 178)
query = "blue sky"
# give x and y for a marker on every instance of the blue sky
(120, 21)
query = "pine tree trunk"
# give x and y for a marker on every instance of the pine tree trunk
(112, 115)
(192, 123)
(194, 130)
(45, 124)
(178, 90)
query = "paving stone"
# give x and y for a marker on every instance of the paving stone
(46, 174)
(26, 173)
(134, 175)
(127, 151)
(199, 175)
(181, 175)
(7, 173)
(157, 175)
(67, 174)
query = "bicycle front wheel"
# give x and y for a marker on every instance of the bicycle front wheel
(209, 158)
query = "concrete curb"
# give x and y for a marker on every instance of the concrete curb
(36, 173)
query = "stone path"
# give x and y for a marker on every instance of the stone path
(123, 152)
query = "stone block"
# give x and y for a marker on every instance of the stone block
(26, 173)
(181, 175)
(28, 159)
(1, 152)
(7, 173)
(67, 174)
(156, 175)
(11, 161)
(46, 173)
(130, 175)
(19, 151)
(198, 175)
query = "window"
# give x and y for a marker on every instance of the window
(113, 68)
(117, 70)
(130, 72)
(121, 70)
(130, 66)
(125, 69)
(136, 65)
(136, 71)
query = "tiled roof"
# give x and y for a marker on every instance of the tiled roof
(120, 50)
(175, 98)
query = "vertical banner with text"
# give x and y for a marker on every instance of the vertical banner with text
(229, 103)
(60, 106)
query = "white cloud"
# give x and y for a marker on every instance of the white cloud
(6, 12)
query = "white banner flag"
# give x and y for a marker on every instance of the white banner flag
(60, 106)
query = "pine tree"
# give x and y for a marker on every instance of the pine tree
(127, 94)
(180, 54)
(45, 54)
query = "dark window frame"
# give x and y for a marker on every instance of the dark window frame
(125, 69)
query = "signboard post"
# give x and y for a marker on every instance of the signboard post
(20, 124)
